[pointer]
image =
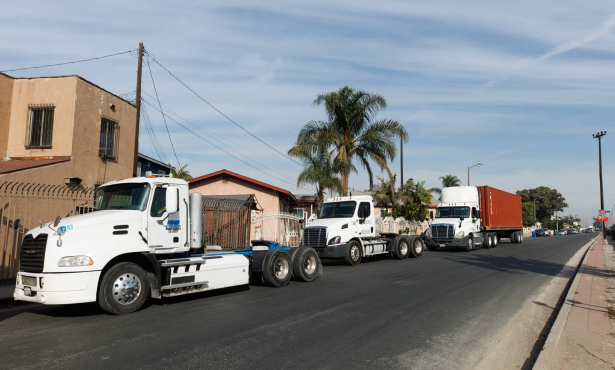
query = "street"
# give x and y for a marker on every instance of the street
(433, 312)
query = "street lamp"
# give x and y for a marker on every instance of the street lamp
(478, 164)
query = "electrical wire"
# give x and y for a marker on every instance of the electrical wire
(163, 116)
(217, 147)
(210, 133)
(224, 115)
(60, 64)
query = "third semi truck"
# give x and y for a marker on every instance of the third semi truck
(472, 216)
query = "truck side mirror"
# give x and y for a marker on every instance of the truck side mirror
(16, 224)
(172, 200)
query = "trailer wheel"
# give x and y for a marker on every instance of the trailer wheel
(520, 237)
(305, 264)
(496, 240)
(513, 237)
(123, 289)
(416, 246)
(401, 247)
(488, 241)
(278, 269)
(469, 244)
(353, 253)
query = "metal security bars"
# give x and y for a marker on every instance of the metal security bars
(108, 133)
(40, 126)
(32, 203)
(227, 222)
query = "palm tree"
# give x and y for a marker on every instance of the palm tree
(182, 173)
(447, 182)
(382, 192)
(319, 170)
(352, 132)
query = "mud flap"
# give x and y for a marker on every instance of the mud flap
(320, 268)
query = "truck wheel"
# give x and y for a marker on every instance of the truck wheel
(305, 264)
(520, 237)
(416, 246)
(513, 237)
(496, 240)
(487, 241)
(278, 269)
(292, 252)
(470, 244)
(353, 253)
(401, 247)
(123, 289)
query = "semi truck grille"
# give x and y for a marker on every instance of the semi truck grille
(315, 237)
(33, 253)
(443, 231)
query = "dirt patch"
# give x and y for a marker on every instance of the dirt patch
(609, 267)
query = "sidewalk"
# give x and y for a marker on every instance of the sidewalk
(585, 341)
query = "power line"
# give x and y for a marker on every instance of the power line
(60, 64)
(217, 147)
(210, 133)
(224, 115)
(163, 118)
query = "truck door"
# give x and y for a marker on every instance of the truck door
(366, 225)
(164, 229)
(475, 220)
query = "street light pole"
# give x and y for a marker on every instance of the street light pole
(478, 164)
(599, 137)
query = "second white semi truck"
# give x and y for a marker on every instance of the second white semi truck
(346, 230)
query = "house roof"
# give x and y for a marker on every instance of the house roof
(238, 176)
(15, 165)
(165, 165)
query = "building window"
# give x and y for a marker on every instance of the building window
(40, 127)
(108, 130)
(298, 212)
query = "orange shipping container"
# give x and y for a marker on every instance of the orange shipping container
(500, 210)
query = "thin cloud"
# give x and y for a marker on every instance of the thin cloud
(604, 29)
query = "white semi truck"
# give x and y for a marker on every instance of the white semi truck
(144, 240)
(346, 230)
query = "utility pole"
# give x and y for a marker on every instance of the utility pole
(401, 157)
(138, 104)
(599, 137)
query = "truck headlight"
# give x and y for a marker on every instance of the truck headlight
(460, 233)
(428, 232)
(335, 240)
(75, 261)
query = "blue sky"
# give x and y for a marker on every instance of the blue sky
(519, 86)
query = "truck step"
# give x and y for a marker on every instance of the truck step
(186, 261)
(184, 285)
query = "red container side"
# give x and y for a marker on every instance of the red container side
(500, 210)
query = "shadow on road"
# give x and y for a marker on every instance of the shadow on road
(513, 265)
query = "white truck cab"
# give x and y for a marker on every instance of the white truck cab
(346, 230)
(144, 240)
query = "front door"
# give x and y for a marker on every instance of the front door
(163, 229)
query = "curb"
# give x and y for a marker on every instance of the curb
(543, 362)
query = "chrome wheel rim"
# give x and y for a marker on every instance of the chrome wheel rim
(281, 267)
(309, 264)
(495, 240)
(418, 246)
(403, 248)
(470, 243)
(126, 288)
(354, 253)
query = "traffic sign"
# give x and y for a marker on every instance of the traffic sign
(601, 213)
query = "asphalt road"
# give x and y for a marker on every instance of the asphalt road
(431, 312)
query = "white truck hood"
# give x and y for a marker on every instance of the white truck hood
(334, 223)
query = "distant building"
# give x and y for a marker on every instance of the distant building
(64, 130)
(147, 164)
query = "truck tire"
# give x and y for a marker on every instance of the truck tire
(470, 244)
(496, 240)
(401, 247)
(123, 289)
(520, 237)
(305, 264)
(292, 252)
(417, 247)
(278, 269)
(488, 241)
(513, 237)
(353, 253)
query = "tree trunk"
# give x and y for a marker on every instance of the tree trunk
(345, 173)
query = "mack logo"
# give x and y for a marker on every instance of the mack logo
(29, 251)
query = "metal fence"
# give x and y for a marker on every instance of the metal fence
(226, 222)
(283, 228)
(32, 203)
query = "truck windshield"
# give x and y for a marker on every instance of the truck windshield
(123, 196)
(337, 210)
(453, 212)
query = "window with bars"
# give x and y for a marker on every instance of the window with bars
(108, 133)
(40, 127)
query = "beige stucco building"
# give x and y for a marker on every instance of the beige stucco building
(57, 130)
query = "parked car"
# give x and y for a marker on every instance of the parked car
(542, 232)
(574, 231)
(562, 232)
